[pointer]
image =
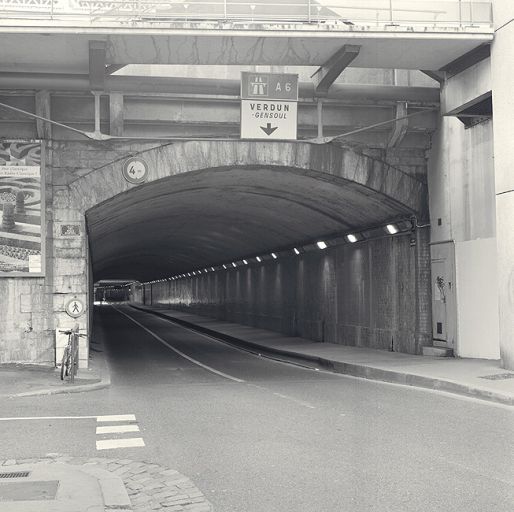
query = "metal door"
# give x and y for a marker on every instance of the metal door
(443, 295)
(439, 296)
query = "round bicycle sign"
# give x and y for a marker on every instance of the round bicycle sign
(75, 308)
(135, 170)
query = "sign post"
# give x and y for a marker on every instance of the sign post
(269, 106)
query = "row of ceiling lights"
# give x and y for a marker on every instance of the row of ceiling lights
(391, 229)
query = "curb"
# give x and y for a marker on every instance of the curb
(114, 493)
(105, 382)
(354, 370)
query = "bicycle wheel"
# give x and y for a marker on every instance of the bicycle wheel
(65, 362)
(74, 361)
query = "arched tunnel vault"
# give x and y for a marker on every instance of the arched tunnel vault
(213, 202)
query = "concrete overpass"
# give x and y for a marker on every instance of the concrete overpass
(218, 203)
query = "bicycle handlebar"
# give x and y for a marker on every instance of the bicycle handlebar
(74, 332)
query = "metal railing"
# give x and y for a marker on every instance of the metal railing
(356, 13)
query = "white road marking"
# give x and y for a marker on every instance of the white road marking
(185, 356)
(117, 429)
(116, 417)
(109, 444)
(295, 400)
(27, 418)
(119, 417)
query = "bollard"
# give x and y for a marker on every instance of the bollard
(8, 222)
(20, 202)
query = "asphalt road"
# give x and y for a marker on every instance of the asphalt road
(257, 435)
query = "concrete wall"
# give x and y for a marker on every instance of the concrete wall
(502, 56)
(26, 334)
(372, 294)
(465, 88)
(462, 210)
(476, 277)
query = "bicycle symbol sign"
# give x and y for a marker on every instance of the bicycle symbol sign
(135, 170)
(75, 308)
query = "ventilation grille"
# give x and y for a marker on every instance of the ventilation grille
(15, 474)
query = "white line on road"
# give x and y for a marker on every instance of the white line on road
(117, 429)
(299, 402)
(123, 417)
(109, 444)
(185, 356)
(50, 418)
(116, 417)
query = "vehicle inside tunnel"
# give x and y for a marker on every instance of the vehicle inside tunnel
(324, 254)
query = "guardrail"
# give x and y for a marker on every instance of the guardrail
(372, 13)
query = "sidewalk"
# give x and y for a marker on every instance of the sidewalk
(79, 484)
(32, 380)
(478, 378)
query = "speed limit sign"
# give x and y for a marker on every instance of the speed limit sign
(135, 170)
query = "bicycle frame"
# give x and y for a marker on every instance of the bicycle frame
(70, 358)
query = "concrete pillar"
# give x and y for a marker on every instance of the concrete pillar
(43, 109)
(502, 57)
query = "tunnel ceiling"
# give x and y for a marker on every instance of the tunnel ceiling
(209, 217)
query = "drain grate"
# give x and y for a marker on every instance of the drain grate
(499, 376)
(15, 474)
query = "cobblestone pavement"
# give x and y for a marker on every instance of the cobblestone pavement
(151, 487)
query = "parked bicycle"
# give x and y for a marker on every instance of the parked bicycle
(70, 357)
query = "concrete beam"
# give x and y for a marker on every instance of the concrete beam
(467, 88)
(400, 127)
(44, 130)
(97, 57)
(348, 93)
(327, 74)
(116, 114)
(467, 60)
(438, 76)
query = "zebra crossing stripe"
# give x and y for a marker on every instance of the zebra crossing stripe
(117, 429)
(116, 417)
(109, 444)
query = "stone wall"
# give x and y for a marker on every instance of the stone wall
(313, 296)
(372, 294)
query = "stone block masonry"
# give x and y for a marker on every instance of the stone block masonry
(334, 295)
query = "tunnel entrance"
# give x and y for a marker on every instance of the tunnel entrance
(231, 230)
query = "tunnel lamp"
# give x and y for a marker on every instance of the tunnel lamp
(321, 244)
(212, 268)
(234, 265)
(273, 255)
(392, 229)
(296, 251)
(258, 259)
(224, 267)
(351, 238)
(245, 262)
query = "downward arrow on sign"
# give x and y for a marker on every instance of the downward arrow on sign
(268, 130)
